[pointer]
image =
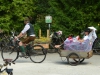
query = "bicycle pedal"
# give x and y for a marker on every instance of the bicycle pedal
(11, 47)
(26, 56)
(23, 56)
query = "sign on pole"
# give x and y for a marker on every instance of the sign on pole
(48, 19)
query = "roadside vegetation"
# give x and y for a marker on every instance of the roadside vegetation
(69, 16)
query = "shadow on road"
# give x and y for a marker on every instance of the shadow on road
(66, 63)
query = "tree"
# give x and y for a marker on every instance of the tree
(74, 15)
(13, 13)
(70, 16)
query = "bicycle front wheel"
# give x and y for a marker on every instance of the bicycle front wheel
(96, 46)
(9, 53)
(37, 54)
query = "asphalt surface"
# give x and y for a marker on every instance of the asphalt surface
(54, 65)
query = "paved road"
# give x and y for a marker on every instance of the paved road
(53, 65)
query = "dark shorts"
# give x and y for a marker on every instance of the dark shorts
(28, 39)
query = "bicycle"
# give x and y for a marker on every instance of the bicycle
(4, 70)
(3, 39)
(96, 46)
(11, 50)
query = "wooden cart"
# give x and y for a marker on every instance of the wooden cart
(75, 57)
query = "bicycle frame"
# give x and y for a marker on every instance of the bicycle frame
(4, 68)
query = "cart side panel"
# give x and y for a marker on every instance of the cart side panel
(90, 53)
(65, 53)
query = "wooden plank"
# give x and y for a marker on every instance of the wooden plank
(46, 46)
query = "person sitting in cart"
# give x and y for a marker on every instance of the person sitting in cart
(84, 44)
(90, 33)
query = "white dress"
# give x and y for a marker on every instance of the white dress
(92, 34)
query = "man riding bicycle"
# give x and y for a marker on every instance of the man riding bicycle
(29, 30)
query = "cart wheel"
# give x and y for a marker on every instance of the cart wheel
(71, 61)
(81, 60)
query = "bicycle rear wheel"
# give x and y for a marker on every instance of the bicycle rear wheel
(9, 53)
(37, 54)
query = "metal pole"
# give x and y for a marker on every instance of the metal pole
(49, 28)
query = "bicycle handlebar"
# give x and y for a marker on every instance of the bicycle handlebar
(16, 38)
(13, 35)
(8, 62)
(5, 65)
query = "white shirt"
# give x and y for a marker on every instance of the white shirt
(26, 28)
(86, 37)
(92, 36)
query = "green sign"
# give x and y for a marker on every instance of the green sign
(48, 19)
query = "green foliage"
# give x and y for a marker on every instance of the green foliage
(70, 16)
(73, 16)
(13, 12)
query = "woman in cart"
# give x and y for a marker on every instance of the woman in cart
(84, 44)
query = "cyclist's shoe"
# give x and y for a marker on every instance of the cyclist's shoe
(23, 54)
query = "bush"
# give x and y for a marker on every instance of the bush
(42, 40)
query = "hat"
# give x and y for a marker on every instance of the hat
(92, 28)
(87, 30)
(26, 19)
